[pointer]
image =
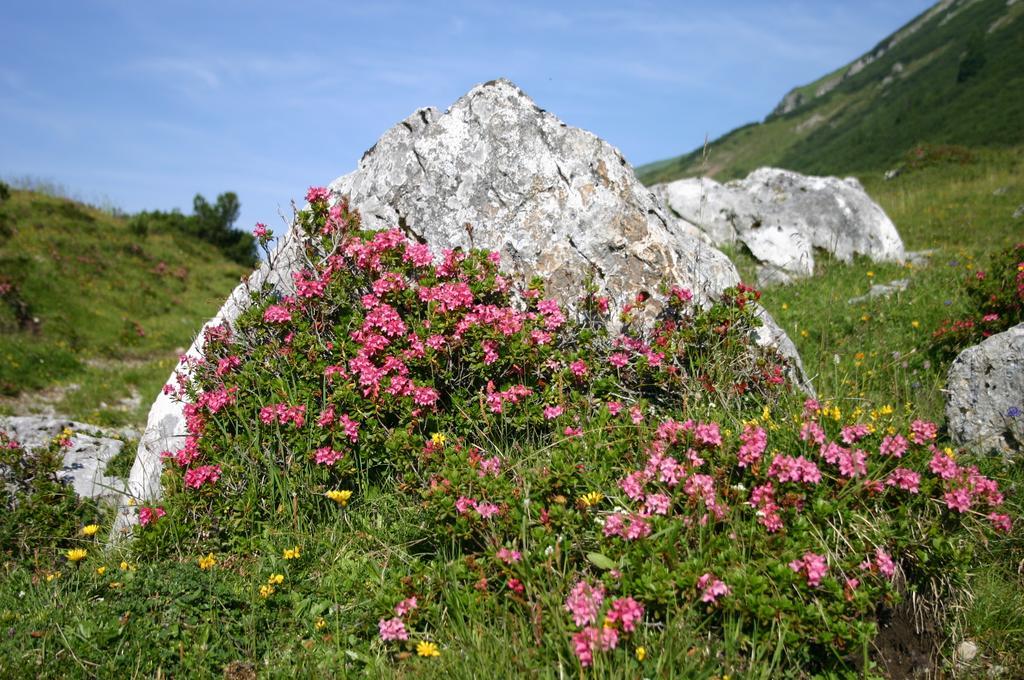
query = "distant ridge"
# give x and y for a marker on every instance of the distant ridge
(952, 75)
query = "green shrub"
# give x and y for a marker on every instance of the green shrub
(997, 299)
(525, 466)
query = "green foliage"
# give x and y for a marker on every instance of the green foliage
(523, 456)
(996, 302)
(210, 223)
(39, 510)
(953, 81)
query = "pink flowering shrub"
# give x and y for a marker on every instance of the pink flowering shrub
(550, 470)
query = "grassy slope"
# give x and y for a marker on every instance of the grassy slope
(867, 124)
(112, 306)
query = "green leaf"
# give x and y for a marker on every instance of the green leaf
(601, 561)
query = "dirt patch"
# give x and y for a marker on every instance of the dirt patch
(907, 646)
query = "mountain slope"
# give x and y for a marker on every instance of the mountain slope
(82, 291)
(953, 75)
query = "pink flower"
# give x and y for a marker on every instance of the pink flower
(490, 466)
(958, 499)
(708, 434)
(515, 585)
(618, 359)
(905, 479)
(573, 431)
(657, 504)
(884, 562)
(922, 431)
(813, 566)
(325, 455)
(487, 510)
(711, 588)
(260, 231)
(406, 606)
(276, 314)
(812, 432)
(584, 602)
(552, 412)
(316, 194)
(464, 505)
(853, 464)
(350, 427)
(854, 433)
(636, 415)
(509, 556)
(614, 408)
(578, 368)
(1000, 522)
(943, 466)
(894, 446)
(392, 629)
(149, 515)
(196, 477)
(627, 611)
(755, 441)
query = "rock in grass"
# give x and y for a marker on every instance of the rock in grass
(985, 394)
(782, 216)
(85, 460)
(495, 171)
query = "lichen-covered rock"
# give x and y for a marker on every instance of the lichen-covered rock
(497, 172)
(985, 394)
(85, 460)
(782, 216)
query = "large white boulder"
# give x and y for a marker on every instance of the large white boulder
(782, 216)
(985, 394)
(495, 171)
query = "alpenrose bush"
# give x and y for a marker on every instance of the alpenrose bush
(598, 486)
(997, 295)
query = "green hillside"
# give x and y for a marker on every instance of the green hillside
(94, 307)
(953, 75)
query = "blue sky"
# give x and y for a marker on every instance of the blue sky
(144, 104)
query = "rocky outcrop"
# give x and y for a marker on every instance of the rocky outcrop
(985, 394)
(85, 460)
(497, 172)
(782, 217)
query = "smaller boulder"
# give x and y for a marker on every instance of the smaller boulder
(85, 461)
(985, 394)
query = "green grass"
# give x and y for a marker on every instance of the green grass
(165, 616)
(97, 305)
(871, 119)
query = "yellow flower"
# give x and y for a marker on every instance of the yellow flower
(785, 305)
(803, 334)
(52, 575)
(915, 323)
(865, 317)
(115, 585)
(276, 579)
(207, 562)
(124, 566)
(339, 497)
(437, 439)
(292, 553)
(90, 529)
(886, 410)
(424, 648)
(266, 591)
(591, 499)
(77, 554)
(101, 570)
(320, 623)
(641, 653)
(871, 275)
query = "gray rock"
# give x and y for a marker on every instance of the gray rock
(985, 394)
(966, 652)
(782, 216)
(881, 290)
(495, 171)
(85, 461)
